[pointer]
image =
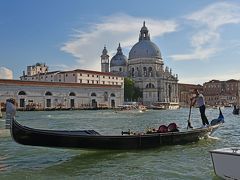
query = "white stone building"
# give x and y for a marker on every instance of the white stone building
(57, 95)
(76, 76)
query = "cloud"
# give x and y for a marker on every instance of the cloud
(5, 73)
(219, 76)
(199, 53)
(87, 46)
(207, 23)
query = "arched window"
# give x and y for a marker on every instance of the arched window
(150, 85)
(120, 69)
(144, 71)
(22, 93)
(72, 94)
(150, 73)
(93, 94)
(48, 93)
(138, 74)
(112, 95)
(132, 72)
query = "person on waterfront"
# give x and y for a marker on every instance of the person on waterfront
(199, 99)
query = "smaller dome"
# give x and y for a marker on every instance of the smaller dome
(119, 59)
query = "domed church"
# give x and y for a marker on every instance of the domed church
(146, 67)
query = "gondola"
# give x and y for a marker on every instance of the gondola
(90, 139)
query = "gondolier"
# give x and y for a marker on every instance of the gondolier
(199, 99)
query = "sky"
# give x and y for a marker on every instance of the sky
(198, 40)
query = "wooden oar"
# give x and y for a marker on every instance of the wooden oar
(189, 117)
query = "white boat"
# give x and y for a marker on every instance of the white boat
(226, 162)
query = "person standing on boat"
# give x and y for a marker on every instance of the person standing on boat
(199, 100)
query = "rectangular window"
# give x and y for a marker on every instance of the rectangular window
(88, 81)
(22, 103)
(48, 102)
(92, 81)
(72, 103)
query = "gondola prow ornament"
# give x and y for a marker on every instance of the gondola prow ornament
(10, 112)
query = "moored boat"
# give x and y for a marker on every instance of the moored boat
(226, 162)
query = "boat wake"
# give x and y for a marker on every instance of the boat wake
(214, 138)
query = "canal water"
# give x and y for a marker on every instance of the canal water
(191, 161)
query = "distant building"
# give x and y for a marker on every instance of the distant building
(36, 69)
(185, 92)
(146, 67)
(221, 92)
(77, 76)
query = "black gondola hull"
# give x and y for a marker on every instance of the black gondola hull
(74, 139)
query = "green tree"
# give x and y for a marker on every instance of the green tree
(131, 93)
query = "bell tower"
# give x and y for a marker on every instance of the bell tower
(104, 60)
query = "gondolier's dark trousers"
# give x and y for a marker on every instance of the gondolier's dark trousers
(203, 116)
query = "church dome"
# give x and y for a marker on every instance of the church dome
(144, 48)
(119, 59)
